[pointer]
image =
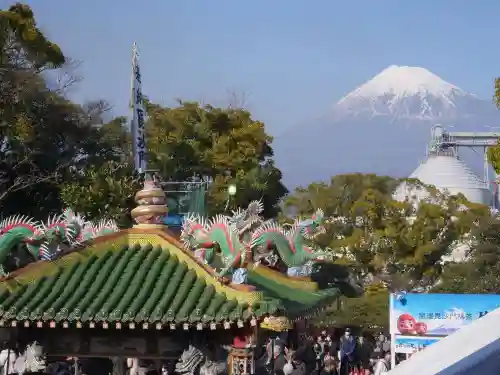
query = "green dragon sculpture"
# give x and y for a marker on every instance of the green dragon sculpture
(289, 242)
(44, 241)
(14, 230)
(216, 236)
(245, 237)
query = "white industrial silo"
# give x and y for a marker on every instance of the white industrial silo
(448, 174)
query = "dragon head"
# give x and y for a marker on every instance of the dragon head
(244, 219)
(74, 219)
(313, 226)
(193, 226)
(56, 232)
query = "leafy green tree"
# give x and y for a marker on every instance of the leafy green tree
(115, 134)
(23, 44)
(371, 311)
(24, 53)
(43, 134)
(223, 145)
(101, 192)
(397, 242)
(494, 152)
(479, 272)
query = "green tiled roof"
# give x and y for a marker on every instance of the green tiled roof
(117, 280)
(133, 284)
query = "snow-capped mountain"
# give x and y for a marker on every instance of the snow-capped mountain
(404, 92)
(382, 127)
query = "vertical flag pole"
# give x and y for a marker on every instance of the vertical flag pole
(138, 116)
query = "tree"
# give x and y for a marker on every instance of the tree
(496, 95)
(22, 44)
(222, 145)
(494, 152)
(47, 138)
(43, 134)
(106, 191)
(397, 242)
(24, 53)
(479, 273)
(371, 311)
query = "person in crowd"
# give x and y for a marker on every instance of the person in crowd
(363, 352)
(346, 354)
(328, 344)
(330, 365)
(383, 364)
(299, 367)
(319, 352)
(305, 355)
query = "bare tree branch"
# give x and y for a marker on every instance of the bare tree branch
(237, 99)
(67, 76)
(96, 112)
(24, 181)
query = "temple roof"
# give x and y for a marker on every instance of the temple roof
(144, 277)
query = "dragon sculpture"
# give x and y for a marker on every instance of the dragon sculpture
(289, 242)
(45, 240)
(245, 237)
(218, 235)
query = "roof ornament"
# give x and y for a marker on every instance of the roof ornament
(152, 202)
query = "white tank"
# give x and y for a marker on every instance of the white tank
(448, 174)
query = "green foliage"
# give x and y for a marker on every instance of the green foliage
(494, 155)
(382, 238)
(494, 152)
(480, 273)
(224, 145)
(370, 311)
(22, 43)
(106, 191)
(42, 133)
(52, 150)
(496, 95)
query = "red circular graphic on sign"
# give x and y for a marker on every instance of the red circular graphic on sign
(406, 324)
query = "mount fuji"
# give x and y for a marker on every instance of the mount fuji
(382, 127)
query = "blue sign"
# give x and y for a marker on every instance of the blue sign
(411, 345)
(174, 220)
(437, 314)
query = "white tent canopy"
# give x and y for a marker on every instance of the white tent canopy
(474, 349)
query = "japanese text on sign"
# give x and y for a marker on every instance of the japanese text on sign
(450, 315)
(445, 315)
(138, 119)
(411, 346)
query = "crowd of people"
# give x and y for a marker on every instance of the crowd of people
(323, 355)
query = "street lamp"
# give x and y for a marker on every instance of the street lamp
(231, 190)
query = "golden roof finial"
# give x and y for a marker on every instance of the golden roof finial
(152, 204)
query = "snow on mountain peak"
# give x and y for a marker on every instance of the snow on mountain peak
(405, 92)
(404, 81)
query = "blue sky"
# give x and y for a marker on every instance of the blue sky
(293, 58)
